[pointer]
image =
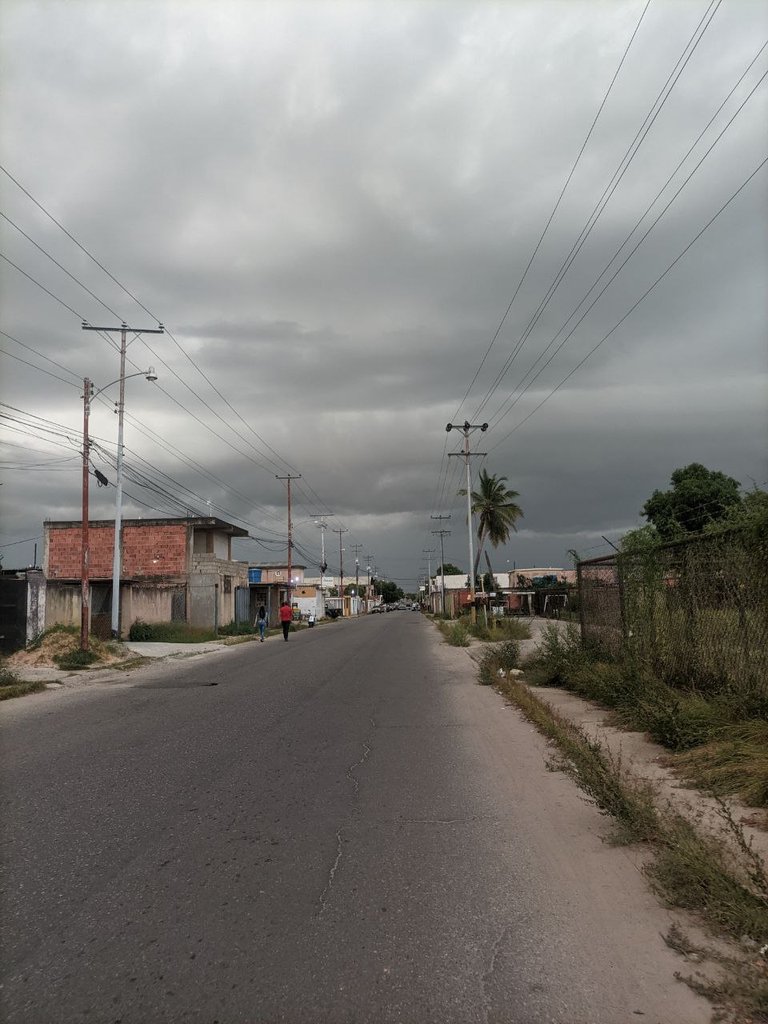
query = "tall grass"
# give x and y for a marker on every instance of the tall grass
(728, 730)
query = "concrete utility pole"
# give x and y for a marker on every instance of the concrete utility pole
(341, 567)
(441, 534)
(85, 587)
(357, 548)
(368, 561)
(429, 552)
(289, 477)
(120, 410)
(469, 428)
(322, 526)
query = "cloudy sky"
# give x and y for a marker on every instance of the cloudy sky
(361, 221)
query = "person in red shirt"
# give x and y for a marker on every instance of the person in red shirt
(286, 614)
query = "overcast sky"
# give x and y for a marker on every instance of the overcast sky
(331, 206)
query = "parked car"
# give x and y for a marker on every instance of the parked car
(377, 609)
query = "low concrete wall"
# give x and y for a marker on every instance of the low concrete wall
(62, 604)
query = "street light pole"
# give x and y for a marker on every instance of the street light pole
(85, 588)
(469, 428)
(85, 597)
(118, 541)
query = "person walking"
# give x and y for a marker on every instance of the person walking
(286, 615)
(261, 621)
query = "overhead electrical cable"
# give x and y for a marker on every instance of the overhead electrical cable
(555, 207)
(610, 189)
(635, 304)
(524, 385)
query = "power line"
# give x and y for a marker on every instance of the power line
(608, 192)
(511, 401)
(637, 303)
(556, 206)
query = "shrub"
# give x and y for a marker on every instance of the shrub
(7, 676)
(169, 632)
(75, 659)
(456, 635)
(237, 629)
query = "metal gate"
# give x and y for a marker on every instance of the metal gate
(242, 604)
(13, 614)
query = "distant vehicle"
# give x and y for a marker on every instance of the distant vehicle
(377, 610)
(415, 607)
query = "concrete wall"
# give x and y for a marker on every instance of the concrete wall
(36, 595)
(62, 604)
(212, 584)
(148, 603)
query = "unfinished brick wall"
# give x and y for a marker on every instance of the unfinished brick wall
(149, 549)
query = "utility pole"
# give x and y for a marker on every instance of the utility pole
(469, 428)
(357, 548)
(368, 561)
(429, 552)
(341, 567)
(85, 587)
(289, 477)
(441, 534)
(120, 410)
(322, 526)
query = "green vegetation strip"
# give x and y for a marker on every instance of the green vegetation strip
(20, 689)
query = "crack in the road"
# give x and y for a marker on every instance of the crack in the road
(488, 974)
(358, 764)
(331, 874)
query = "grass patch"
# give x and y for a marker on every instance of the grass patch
(12, 686)
(734, 764)
(455, 634)
(169, 632)
(725, 732)
(20, 689)
(238, 629)
(37, 642)
(76, 659)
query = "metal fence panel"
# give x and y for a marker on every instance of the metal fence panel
(695, 612)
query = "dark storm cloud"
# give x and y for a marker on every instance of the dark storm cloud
(331, 206)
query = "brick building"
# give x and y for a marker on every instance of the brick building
(173, 570)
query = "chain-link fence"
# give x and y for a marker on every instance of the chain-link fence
(695, 612)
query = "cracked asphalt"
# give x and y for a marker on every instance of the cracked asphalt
(345, 828)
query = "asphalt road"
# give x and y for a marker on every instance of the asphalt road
(342, 828)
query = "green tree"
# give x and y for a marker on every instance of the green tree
(497, 513)
(698, 496)
(449, 569)
(390, 591)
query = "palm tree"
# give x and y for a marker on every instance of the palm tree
(497, 512)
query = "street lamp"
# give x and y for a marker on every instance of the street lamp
(85, 611)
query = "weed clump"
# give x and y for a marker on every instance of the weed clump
(169, 632)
